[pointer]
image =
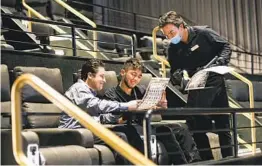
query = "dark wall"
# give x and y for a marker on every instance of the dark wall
(240, 21)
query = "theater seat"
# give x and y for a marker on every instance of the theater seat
(56, 11)
(106, 44)
(39, 5)
(257, 93)
(58, 155)
(111, 81)
(5, 98)
(105, 154)
(106, 40)
(7, 158)
(240, 92)
(147, 41)
(146, 49)
(35, 102)
(146, 78)
(123, 44)
(5, 46)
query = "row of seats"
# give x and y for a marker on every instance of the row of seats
(240, 92)
(119, 44)
(114, 45)
(58, 146)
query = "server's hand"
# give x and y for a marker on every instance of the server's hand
(163, 102)
(221, 61)
(177, 76)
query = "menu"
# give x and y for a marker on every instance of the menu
(153, 93)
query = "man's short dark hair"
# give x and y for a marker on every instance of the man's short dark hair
(171, 17)
(133, 63)
(91, 66)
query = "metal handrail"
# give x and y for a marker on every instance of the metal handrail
(251, 105)
(64, 104)
(85, 19)
(163, 61)
(55, 27)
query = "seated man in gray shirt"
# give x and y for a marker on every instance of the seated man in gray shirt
(83, 94)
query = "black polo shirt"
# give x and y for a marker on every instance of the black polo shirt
(117, 94)
(203, 45)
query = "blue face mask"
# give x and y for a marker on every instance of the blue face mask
(176, 39)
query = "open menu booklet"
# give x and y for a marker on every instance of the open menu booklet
(153, 93)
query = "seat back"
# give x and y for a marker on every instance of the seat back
(40, 6)
(52, 154)
(111, 81)
(5, 84)
(257, 93)
(106, 40)
(240, 92)
(9, 3)
(55, 11)
(123, 42)
(147, 41)
(146, 78)
(35, 102)
(5, 97)
(7, 157)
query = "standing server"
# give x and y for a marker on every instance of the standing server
(190, 49)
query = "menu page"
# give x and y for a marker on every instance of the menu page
(153, 93)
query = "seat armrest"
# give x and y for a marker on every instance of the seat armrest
(61, 137)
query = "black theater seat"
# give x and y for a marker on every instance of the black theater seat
(35, 102)
(56, 11)
(56, 145)
(111, 81)
(146, 78)
(53, 155)
(257, 93)
(39, 5)
(146, 49)
(5, 98)
(106, 44)
(240, 92)
(123, 44)
(46, 126)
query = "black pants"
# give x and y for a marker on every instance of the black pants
(179, 144)
(211, 97)
(129, 134)
(132, 135)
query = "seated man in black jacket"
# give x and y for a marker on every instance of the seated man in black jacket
(179, 138)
